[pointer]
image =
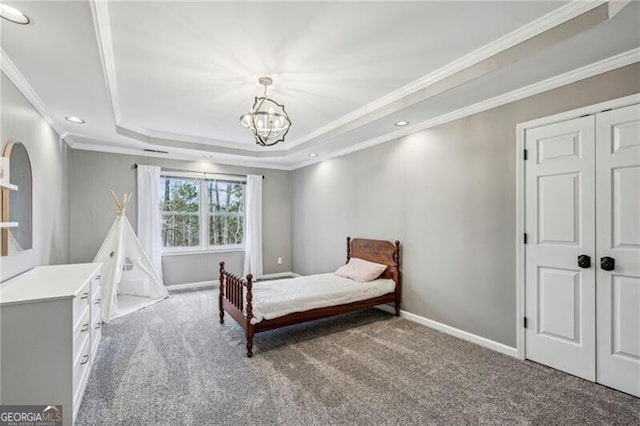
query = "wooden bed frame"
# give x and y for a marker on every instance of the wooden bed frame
(234, 291)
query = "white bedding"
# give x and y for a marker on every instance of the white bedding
(273, 299)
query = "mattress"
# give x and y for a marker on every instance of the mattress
(273, 299)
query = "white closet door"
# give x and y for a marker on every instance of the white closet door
(618, 237)
(560, 224)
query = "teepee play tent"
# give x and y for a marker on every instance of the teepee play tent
(129, 281)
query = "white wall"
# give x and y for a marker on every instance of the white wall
(19, 121)
(448, 195)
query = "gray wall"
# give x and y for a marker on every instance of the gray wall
(92, 212)
(448, 194)
(19, 121)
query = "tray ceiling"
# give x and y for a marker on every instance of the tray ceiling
(176, 76)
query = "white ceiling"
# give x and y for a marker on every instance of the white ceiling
(176, 76)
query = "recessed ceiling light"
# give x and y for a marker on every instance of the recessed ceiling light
(313, 154)
(207, 155)
(14, 15)
(401, 123)
(75, 119)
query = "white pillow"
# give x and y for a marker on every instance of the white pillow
(361, 270)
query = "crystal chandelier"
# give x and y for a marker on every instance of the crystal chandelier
(267, 121)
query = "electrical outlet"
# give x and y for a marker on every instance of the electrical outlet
(279, 261)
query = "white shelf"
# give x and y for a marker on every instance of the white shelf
(8, 224)
(9, 186)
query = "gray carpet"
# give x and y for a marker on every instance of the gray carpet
(173, 364)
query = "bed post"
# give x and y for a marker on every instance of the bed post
(396, 260)
(221, 293)
(249, 328)
(348, 249)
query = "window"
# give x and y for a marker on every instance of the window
(180, 200)
(200, 213)
(226, 213)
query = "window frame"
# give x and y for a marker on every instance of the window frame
(203, 180)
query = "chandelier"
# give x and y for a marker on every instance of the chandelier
(267, 121)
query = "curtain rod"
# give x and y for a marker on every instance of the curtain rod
(170, 169)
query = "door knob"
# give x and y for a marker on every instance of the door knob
(607, 263)
(584, 261)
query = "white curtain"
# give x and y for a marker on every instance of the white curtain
(253, 229)
(149, 219)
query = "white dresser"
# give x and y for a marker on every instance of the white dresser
(51, 328)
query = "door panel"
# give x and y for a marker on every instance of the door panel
(626, 325)
(559, 209)
(560, 296)
(626, 209)
(618, 236)
(625, 134)
(559, 307)
(559, 147)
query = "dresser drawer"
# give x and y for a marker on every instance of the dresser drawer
(96, 310)
(81, 368)
(95, 287)
(81, 364)
(81, 333)
(81, 303)
(96, 335)
(96, 326)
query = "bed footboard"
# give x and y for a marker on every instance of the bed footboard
(236, 298)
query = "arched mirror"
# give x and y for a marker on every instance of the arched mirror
(17, 214)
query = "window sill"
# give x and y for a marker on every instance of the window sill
(202, 251)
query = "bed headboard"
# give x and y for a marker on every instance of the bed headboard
(378, 251)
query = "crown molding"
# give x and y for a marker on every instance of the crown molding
(11, 71)
(152, 136)
(102, 25)
(530, 30)
(600, 67)
(214, 159)
(610, 64)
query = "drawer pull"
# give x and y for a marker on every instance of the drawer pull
(85, 327)
(86, 359)
(98, 277)
(98, 301)
(85, 296)
(98, 325)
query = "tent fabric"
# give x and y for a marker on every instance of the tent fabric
(129, 281)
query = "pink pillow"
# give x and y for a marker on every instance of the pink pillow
(361, 270)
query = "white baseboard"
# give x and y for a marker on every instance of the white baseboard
(194, 286)
(461, 334)
(279, 275)
(214, 284)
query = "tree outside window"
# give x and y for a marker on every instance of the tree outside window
(226, 213)
(184, 221)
